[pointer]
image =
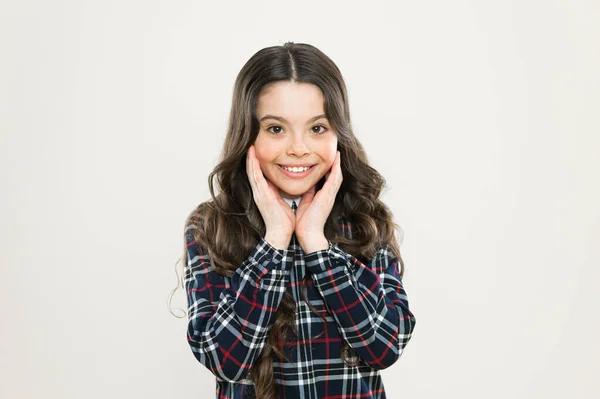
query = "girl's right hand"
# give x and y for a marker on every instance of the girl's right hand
(279, 218)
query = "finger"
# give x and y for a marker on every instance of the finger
(334, 179)
(252, 172)
(275, 191)
(329, 180)
(338, 169)
(339, 175)
(271, 185)
(249, 166)
(308, 196)
(260, 180)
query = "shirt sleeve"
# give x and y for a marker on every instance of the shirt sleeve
(368, 302)
(229, 319)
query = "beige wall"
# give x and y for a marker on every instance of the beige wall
(483, 117)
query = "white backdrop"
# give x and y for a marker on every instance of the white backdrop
(482, 115)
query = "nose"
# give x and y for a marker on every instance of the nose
(297, 145)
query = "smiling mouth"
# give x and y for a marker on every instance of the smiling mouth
(298, 174)
(282, 167)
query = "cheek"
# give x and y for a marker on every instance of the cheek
(265, 151)
(264, 161)
(262, 156)
(328, 160)
(330, 157)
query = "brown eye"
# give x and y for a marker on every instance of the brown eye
(274, 127)
(319, 126)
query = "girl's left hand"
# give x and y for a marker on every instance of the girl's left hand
(314, 209)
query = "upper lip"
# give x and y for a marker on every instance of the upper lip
(298, 166)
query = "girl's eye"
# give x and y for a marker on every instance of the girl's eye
(278, 129)
(275, 127)
(324, 129)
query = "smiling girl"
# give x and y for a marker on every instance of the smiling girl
(293, 273)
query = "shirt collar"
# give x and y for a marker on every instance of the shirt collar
(289, 201)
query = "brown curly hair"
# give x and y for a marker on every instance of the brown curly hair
(230, 225)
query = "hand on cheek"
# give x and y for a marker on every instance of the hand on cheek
(314, 209)
(278, 217)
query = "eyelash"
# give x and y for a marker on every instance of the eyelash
(323, 126)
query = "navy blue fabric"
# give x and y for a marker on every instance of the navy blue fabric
(365, 305)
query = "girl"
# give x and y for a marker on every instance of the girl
(293, 273)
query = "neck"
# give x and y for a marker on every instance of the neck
(289, 197)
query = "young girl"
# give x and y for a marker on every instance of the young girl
(293, 273)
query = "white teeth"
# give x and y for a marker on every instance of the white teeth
(294, 169)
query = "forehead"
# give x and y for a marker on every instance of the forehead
(290, 100)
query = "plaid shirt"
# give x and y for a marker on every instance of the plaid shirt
(365, 304)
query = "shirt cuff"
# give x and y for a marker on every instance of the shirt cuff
(321, 260)
(265, 253)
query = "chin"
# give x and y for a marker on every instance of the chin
(294, 193)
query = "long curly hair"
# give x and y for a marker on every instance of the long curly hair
(230, 225)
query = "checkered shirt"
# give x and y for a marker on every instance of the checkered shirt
(365, 304)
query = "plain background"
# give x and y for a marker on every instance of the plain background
(482, 116)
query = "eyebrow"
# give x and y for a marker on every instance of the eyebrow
(281, 119)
